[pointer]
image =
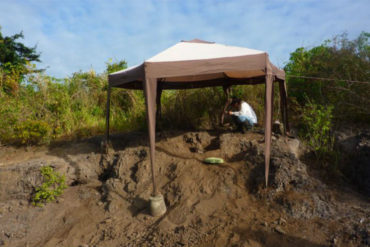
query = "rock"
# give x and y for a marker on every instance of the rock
(294, 147)
(235, 238)
(130, 187)
(60, 200)
(107, 221)
(282, 221)
(279, 230)
(346, 140)
(251, 243)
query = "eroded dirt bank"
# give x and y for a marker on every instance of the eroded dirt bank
(208, 205)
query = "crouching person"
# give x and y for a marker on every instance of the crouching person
(244, 117)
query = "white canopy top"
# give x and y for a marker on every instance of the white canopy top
(198, 61)
(184, 51)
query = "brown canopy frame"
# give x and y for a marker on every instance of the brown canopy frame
(175, 68)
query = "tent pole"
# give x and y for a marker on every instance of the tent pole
(159, 105)
(157, 204)
(150, 90)
(107, 116)
(268, 122)
(283, 105)
(227, 89)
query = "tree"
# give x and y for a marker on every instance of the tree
(15, 61)
(342, 60)
(115, 66)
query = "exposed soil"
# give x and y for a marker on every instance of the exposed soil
(106, 203)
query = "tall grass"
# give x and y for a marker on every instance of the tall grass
(202, 108)
(44, 108)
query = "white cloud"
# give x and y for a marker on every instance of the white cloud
(78, 35)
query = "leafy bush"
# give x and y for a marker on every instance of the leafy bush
(317, 130)
(341, 60)
(31, 132)
(45, 108)
(53, 186)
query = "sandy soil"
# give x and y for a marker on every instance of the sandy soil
(106, 203)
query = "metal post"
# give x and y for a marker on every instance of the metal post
(283, 105)
(107, 116)
(159, 105)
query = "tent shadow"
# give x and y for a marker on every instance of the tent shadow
(139, 206)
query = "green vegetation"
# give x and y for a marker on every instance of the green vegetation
(339, 59)
(45, 108)
(317, 125)
(15, 62)
(321, 106)
(196, 109)
(36, 108)
(53, 186)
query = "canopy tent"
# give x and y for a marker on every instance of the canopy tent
(197, 64)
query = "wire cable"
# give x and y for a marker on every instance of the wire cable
(327, 79)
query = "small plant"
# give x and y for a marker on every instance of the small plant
(317, 120)
(53, 186)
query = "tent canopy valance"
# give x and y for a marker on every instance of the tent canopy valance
(197, 64)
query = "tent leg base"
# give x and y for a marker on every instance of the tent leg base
(157, 205)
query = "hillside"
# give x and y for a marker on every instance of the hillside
(208, 205)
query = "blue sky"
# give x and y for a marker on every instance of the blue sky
(75, 35)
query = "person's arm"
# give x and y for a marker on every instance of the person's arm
(235, 113)
(243, 110)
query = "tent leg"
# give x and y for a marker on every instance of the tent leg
(157, 205)
(150, 90)
(283, 105)
(268, 122)
(159, 105)
(227, 90)
(107, 116)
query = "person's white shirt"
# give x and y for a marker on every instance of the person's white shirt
(247, 111)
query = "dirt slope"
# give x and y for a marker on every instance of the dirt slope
(208, 205)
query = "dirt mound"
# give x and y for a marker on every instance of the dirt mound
(208, 205)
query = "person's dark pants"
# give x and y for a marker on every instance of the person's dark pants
(242, 122)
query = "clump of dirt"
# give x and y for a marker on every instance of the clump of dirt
(207, 205)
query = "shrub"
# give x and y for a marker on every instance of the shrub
(341, 60)
(53, 186)
(317, 128)
(31, 132)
